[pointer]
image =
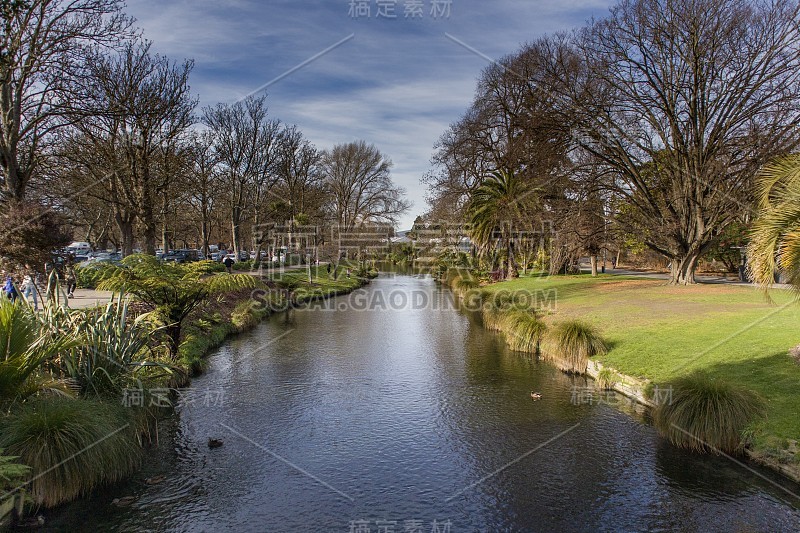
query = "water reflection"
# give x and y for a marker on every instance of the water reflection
(416, 415)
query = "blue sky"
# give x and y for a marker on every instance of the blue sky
(398, 82)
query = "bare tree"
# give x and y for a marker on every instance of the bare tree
(357, 176)
(684, 101)
(43, 47)
(241, 133)
(140, 109)
(299, 172)
(204, 183)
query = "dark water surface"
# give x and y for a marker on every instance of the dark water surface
(411, 416)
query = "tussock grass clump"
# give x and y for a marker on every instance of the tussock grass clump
(523, 330)
(72, 446)
(707, 415)
(572, 343)
(463, 285)
(606, 379)
(454, 274)
(493, 311)
(472, 300)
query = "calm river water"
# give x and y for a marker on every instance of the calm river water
(411, 417)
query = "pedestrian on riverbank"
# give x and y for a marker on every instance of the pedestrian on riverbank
(29, 289)
(71, 278)
(9, 289)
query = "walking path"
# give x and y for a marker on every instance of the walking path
(700, 278)
(84, 298)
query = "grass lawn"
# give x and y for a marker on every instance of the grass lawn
(659, 332)
(323, 284)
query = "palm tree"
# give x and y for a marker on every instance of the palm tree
(23, 352)
(171, 289)
(494, 210)
(775, 235)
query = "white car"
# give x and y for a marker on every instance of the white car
(79, 248)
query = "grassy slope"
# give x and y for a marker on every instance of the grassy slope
(660, 332)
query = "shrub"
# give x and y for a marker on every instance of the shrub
(706, 414)
(242, 265)
(523, 330)
(72, 446)
(90, 275)
(606, 379)
(571, 343)
(492, 315)
(462, 285)
(111, 351)
(25, 346)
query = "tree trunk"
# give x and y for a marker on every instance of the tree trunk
(173, 332)
(164, 228)
(593, 261)
(236, 214)
(682, 269)
(125, 225)
(257, 237)
(511, 271)
(204, 234)
(149, 230)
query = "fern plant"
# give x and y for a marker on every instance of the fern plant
(172, 290)
(11, 472)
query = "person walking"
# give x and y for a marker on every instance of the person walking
(29, 289)
(9, 289)
(71, 278)
(228, 262)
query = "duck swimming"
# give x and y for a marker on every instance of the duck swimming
(536, 395)
(125, 501)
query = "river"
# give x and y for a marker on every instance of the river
(392, 411)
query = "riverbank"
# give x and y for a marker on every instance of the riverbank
(404, 409)
(241, 310)
(209, 325)
(657, 333)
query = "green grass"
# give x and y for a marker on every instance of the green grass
(662, 333)
(323, 284)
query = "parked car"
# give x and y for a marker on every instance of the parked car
(104, 257)
(79, 248)
(181, 256)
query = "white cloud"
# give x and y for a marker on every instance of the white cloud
(397, 84)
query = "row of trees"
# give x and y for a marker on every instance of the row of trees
(99, 131)
(648, 125)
